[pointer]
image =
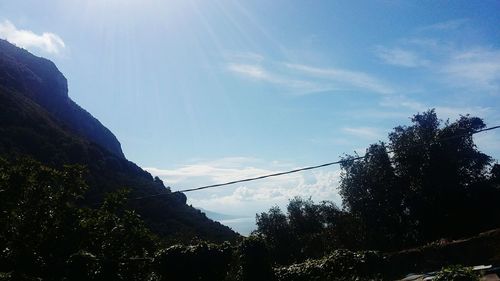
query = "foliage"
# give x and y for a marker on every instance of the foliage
(45, 233)
(433, 180)
(254, 260)
(307, 230)
(457, 273)
(339, 265)
(202, 261)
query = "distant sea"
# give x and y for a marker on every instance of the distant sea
(241, 225)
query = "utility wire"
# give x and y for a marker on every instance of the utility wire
(304, 168)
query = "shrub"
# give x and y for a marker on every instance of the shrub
(336, 266)
(457, 273)
(254, 260)
(202, 261)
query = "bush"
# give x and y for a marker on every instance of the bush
(457, 273)
(336, 266)
(202, 261)
(254, 260)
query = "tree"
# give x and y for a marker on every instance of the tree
(275, 229)
(372, 193)
(46, 233)
(424, 188)
(254, 260)
(39, 217)
(307, 230)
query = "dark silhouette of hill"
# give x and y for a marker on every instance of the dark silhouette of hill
(40, 80)
(39, 120)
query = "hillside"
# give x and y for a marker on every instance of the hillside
(39, 120)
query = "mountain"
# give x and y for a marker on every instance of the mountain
(40, 80)
(218, 216)
(39, 120)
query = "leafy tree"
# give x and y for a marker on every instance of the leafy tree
(307, 230)
(424, 189)
(202, 261)
(39, 217)
(107, 229)
(254, 260)
(372, 193)
(276, 230)
(46, 233)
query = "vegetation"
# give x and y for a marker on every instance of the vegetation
(44, 232)
(426, 188)
(339, 265)
(457, 273)
(49, 232)
(426, 184)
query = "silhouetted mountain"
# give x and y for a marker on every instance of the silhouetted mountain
(40, 80)
(39, 120)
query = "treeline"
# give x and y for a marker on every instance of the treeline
(46, 233)
(429, 182)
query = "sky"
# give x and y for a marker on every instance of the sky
(201, 92)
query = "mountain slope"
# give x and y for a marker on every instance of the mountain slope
(39, 120)
(40, 80)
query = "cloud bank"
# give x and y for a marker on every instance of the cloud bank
(247, 199)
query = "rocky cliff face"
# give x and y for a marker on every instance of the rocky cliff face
(40, 80)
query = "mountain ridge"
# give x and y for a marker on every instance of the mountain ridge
(42, 123)
(40, 80)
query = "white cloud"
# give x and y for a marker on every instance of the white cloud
(302, 78)
(253, 71)
(47, 42)
(258, 72)
(400, 57)
(354, 79)
(319, 185)
(247, 199)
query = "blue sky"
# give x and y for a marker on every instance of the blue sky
(200, 92)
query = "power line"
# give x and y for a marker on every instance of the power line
(304, 168)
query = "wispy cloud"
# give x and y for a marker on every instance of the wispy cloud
(47, 42)
(400, 57)
(451, 63)
(304, 78)
(253, 71)
(258, 72)
(354, 79)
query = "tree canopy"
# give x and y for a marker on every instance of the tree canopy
(429, 182)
